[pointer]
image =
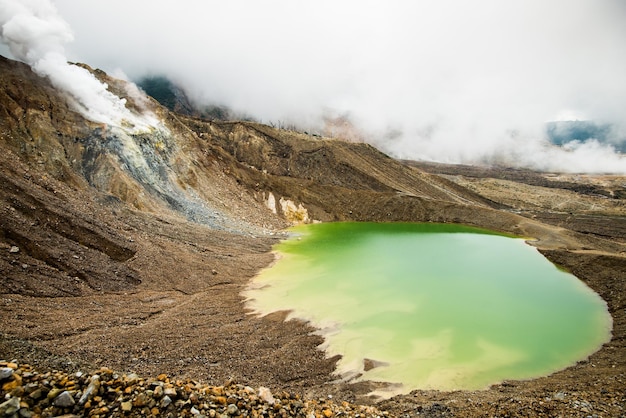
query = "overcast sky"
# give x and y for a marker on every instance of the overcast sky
(446, 80)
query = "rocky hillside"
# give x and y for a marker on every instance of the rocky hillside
(129, 250)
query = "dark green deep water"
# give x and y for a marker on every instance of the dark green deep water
(436, 306)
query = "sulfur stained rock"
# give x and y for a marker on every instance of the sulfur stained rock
(126, 406)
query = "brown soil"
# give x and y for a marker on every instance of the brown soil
(104, 263)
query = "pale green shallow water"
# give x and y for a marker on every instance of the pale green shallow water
(442, 306)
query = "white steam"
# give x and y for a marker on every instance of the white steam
(444, 80)
(36, 34)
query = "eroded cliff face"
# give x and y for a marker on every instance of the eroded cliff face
(163, 168)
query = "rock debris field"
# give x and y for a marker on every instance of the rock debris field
(29, 393)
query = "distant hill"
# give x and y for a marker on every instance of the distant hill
(174, 97)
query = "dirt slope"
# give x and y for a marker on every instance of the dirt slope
(130, 250)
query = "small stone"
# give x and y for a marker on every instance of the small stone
(162, 377)
(54, 393)
(14, 249)
(12, 384)
(37, 394)
(217, 390)
(94, 385)
(101, 411)
(166, 401)
(171, 392)
(141, 400)
(126, 406)
(194, 411)
(266, 395)
(232, 409)
(24, 413)
(5, 373)
(327, 412)
(18, 392)
(64, 400)
(30, 387)
(9, 407)
(24, 266)
(158, 392)
(132, 378)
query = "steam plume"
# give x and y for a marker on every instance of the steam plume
(36, 34)
(446, 80)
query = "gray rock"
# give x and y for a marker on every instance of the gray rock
(10, 407)
(64, 400)
(14, 249)
(38, 394)
(166, 401)
(232, 409)
(94, 385)
(5, 373)
(25, 413)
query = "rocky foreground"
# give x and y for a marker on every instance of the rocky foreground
(29, 393)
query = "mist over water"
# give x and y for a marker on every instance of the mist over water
(432, 306)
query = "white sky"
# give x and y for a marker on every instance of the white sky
(447, 80)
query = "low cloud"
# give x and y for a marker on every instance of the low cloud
(447, 80)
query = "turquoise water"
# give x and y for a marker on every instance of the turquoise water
(433, 306)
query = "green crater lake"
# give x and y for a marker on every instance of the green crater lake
(432, 306)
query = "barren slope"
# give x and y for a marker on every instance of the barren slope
(131, 250)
